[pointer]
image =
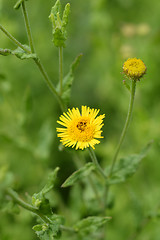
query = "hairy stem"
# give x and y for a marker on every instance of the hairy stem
(61, 70)
(49, 83)
(34, 210)
(37, 61)
(14, 40)
(95, 161)
(25, 205)
(28, 29)
(133, 89)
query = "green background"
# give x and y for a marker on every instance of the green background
(106, 33)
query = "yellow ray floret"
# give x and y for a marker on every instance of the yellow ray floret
(134, 68)
(80, 130)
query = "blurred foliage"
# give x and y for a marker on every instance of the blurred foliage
(106, 33)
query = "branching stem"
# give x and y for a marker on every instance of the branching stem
(14, 40)
(34, 210)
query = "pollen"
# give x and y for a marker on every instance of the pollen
(134, 68)
(80, 130)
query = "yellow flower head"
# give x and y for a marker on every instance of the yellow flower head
(134, 68)
(81, 129)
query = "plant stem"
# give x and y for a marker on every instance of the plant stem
(49, 83)
(133, 89)
(40, 66)
(37, 61)
(28, 29)
(95, 161)
(34, 210)
(13, 39)
(25, 205)
(61, 70)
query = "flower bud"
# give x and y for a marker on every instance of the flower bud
(134, 68)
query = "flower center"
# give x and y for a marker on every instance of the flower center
(82, 125)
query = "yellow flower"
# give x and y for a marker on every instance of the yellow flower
(134, 68)
(81, 129)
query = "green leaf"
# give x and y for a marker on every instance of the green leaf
(90, 224)
(20, 53)
(39, 200)
(59, 25)
(42, 203)
(68, 80)
(55, 9)
(127, 166)
(49, 231)
(65, 16)
(18, 4)
(79, 174)
(59, 38)
(51, 181)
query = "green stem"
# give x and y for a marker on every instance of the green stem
(49, 83)
(95, 161)
(37, 61)
(61, 70)
(133, 89)
(25, 205)
(40, 66)
(25, 14)
(34, 210)
(13, 39)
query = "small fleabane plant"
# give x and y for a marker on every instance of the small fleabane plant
(81, 129)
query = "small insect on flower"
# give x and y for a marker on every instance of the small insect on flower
(134, 68)
(81, 129)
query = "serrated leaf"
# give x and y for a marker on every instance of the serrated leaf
(55, 9)
(41, 203)
(68, 80)
(51, 181)
(49, 231)
(39, 200)
(20, 53)
(18, 4)
(58, 24)
(79, 174)
(65, 16)
(90, 224)
(127, 166)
